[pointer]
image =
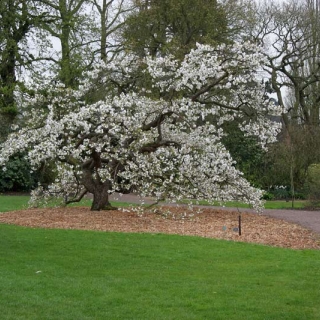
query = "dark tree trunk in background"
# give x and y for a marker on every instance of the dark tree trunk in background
(15, 24)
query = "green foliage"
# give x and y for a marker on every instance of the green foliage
(285, 194)
(268, 196)
(297, 149)
(280, 193)
(247, 153)
(9, 110)
(7, 105)
(313, 184)
(14, 27)
(171, 26)
(46, 174)
(18, 175)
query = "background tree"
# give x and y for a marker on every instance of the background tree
(168, 26)
(248, 154)
(241, 19)
(17, 18)
(290, 32)
(112, 15)
(291, 59)
(75, 35)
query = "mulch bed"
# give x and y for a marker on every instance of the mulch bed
(204, 222)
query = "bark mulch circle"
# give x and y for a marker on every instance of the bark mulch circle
(203, 222)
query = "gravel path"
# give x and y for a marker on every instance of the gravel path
(307, 219)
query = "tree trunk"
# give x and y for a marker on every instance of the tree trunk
(103, 40)
(66, 75)
(101, 199)
(99, 189)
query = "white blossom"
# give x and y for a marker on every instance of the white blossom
(163, 141)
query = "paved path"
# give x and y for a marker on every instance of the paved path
(308, 219)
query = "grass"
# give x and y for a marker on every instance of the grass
(9, 203)
(273, 204)
(282, 204)
(69, 274)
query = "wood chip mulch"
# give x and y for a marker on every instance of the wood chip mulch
(204, 222)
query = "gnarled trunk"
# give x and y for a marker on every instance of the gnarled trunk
(99, 188)
(101, 198)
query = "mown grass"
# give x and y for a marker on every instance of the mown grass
(9, 203)
(281, 204)
(270, 204)
(69, 274)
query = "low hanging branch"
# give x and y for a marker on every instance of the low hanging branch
(126, 140)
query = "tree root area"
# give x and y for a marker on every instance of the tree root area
(204, 222)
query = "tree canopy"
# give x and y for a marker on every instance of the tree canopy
(131, 139)
(169, 26)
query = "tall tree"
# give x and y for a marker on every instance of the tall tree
(313, 64)
(241, 18)
(16, 22)
(171, 26)
(290, 33)
(293, 65)
(112, 15)
(74, 32)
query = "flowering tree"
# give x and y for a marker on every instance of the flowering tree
(153, 125)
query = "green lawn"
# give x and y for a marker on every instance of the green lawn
(274, 204)
(68, 274)
(9, 203)
(281, 204)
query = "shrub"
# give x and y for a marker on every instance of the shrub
(284, 193)
(313, 184)
(268, 196)
(18, 175)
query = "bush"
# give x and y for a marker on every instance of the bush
(313, 184)
(268, 196)
(283, 193)
(298, 195)
(18, 176)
